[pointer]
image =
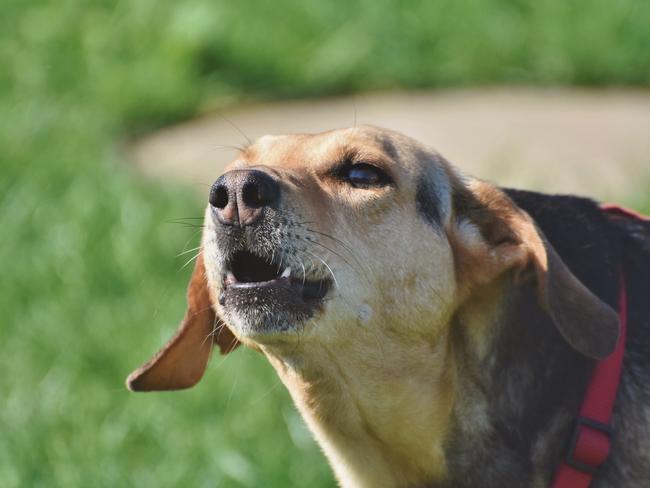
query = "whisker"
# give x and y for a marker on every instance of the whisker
(364, 270)
(225, 357)
(346, 246)
(336, 283)
(215, 327)
(188, 251)
(226, 146)
(187, 224)
(270, 390)
(190, 239)
(190, 260)
(232, 390)
(360, 269)
(327, 266)
(304, 272)
(232, 343)
(237, 128)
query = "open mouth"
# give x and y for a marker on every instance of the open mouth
(247, 271)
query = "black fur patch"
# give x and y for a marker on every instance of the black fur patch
(389, 148)
(427, 202)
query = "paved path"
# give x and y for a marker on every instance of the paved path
(586, 142)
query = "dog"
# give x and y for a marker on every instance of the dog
(434, 330)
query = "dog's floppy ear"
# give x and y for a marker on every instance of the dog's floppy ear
(182, 361)
(492, 235)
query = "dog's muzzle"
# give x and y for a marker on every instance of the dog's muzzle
(265, 286)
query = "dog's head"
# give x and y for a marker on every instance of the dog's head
(359, 236)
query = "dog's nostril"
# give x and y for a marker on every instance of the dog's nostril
(259, 192)
(219, 196)
(251, 195)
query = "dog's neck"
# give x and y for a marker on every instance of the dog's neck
(380, 420)
(453, 413)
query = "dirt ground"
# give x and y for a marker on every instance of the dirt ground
(556, 140)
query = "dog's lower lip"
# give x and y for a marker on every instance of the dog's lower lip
(257, 284)
(308, 290)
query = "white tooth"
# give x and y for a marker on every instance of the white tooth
(286, 273)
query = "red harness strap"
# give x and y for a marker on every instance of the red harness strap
(623, 212)
(591, 441)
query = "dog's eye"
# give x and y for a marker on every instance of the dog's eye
(363, 175)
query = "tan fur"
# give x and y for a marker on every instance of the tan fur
(375, 374)
(351, 376)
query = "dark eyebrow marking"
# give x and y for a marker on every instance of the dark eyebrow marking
(388, 147)
(427, 202)
(427, 199)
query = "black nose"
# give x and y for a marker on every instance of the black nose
(239, 197)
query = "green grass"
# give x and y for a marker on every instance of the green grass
(90, 279)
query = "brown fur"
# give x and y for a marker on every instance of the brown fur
(387, 374)
(182, 361)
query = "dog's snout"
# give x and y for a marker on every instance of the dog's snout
(240, 196)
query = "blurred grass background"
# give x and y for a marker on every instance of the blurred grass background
(91, 282)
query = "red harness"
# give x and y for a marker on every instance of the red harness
(590, 442)
(591, 438)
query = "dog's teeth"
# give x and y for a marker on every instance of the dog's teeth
(286, 273)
